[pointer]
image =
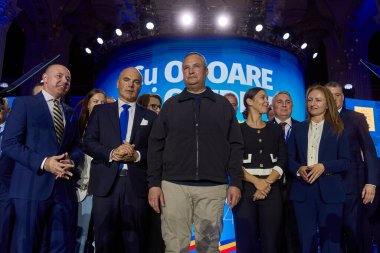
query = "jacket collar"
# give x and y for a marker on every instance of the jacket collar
(185, 95)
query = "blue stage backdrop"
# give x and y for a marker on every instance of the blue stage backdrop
(235, 65)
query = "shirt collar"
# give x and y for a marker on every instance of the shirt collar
(208, 93)
(288, 121)
(121, 103)
(314, 124)
(48, 97)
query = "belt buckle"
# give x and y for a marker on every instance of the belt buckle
(123, 173)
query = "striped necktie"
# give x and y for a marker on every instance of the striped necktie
(58, 120)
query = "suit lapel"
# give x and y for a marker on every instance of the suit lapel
(304, 136)
(46, 114)
(326, 131)
(136, 121)
(114, 118)
(68, 118)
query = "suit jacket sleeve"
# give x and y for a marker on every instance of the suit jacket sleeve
(368, 149)
(14, 138)
(91, 141)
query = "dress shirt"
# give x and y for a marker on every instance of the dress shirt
(314, 138)
(49, 100)
(131, 116)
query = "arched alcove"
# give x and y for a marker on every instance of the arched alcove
(13, 54)
(374, 57)
(316, 69)
(82, 69)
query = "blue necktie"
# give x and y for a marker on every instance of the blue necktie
(124, 117)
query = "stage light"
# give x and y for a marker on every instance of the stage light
(149, 25)
(88, 50)
(286, 36)
(118, 32)
(304, 45)
(315, 55)
(348, 86)
(100, 40)
(4, 85)
(259, 28)
(223, 21)
(187, 19)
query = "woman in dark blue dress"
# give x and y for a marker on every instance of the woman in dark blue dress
(258, 214)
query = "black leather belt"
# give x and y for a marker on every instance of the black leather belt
(123, 173)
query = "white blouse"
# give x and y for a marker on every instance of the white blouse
(314, 138)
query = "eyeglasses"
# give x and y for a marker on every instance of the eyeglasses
(154, 106)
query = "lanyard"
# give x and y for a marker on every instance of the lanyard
(288, 133)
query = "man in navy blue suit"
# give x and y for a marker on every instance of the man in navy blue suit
(45, 151)
(117, 139)
(282, 104)
(362, 177)
(6, 166)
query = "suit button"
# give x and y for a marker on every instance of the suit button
(260, 140)
(261, 165)
(261, 151)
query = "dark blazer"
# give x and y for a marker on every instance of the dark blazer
(29, 137)
(360, 172)
(333, 154)
(103, 135)
(6, 168)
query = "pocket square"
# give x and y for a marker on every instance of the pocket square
(144, 122)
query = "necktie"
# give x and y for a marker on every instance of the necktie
(124, 117)
(283, 125)
(58, 120)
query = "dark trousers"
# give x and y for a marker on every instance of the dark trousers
(155, 242)
(371, 223)
(6, 222)
(314, 213)
(46, 226)
(289, 232)
(352, 233)
(258, 219)
(120, 220)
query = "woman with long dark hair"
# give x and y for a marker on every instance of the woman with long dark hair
(318, 155)
(258, 213)
(93, 98)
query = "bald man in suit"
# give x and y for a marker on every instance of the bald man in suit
(117, 139)
(42, 137)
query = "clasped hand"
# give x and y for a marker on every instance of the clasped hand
(60, 166)
(124, 153)
(311, 173)
(263, 187)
